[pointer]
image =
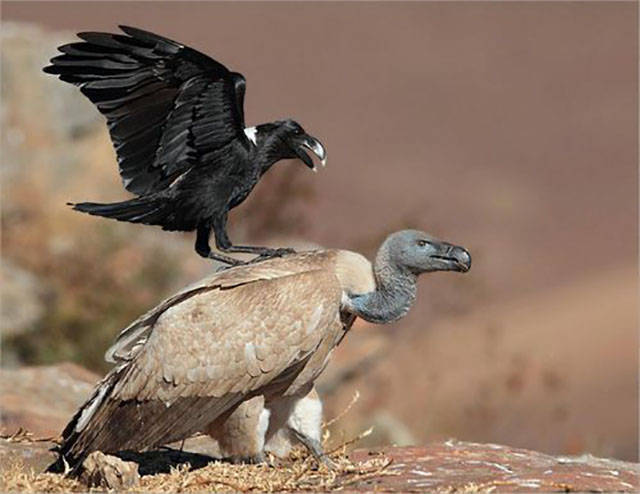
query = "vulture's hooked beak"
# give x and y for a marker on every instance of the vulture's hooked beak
(307, 142)
(450, 257)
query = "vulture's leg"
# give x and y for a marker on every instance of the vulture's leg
(239, 435)
(202, 247)
(224, 244)
(315, 448)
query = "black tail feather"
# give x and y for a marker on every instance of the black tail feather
(145, 210)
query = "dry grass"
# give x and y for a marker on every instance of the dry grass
(298, 473)
(16, 478)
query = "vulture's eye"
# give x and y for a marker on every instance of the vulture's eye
(422, 243)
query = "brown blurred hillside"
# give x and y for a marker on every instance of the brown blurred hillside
(510, 129)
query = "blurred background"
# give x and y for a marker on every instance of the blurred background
(509, 128)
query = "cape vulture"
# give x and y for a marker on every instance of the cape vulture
(264, 329)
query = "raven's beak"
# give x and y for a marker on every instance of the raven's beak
(450, 257)
(312, 144)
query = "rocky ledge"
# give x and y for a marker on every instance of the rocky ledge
(451, 466)
(457, 466)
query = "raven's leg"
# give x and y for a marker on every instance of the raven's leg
(263, 252)
(224, 244)
(202, 247)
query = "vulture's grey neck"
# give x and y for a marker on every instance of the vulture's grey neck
(394, 294)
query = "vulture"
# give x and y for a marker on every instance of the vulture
(264, 329)
(176, 120)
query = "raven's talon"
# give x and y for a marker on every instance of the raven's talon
(224, 267)
(226, 261)
(271, 253)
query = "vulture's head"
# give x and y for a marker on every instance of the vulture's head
(420, 253)
(286, 139)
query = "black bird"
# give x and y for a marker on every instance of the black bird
(176, 120)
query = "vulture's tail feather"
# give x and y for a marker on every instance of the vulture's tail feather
(77, 423)
(110, 424)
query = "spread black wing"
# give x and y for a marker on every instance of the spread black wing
(168, 107)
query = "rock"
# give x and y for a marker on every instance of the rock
(42, 399)
(100, 470)
(456, 466)
(22, 299)
(26, 50)
(32, 455)
(388, 429)
(451, 466)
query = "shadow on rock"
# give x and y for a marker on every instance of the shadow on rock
(161, 461)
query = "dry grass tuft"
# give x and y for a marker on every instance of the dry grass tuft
(298, 473)
(16, 478)
(22, 435)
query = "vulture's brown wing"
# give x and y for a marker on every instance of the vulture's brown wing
(204, 355)
(131, 339)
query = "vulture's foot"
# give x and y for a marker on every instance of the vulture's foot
(315, 448)
(327, 461)
(249, 460)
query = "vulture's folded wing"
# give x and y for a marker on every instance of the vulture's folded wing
(168, 106)
(133, 337)
(204, 355)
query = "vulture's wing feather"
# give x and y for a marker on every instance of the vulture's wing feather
(168, 106)
(135, 335)
(251, 330)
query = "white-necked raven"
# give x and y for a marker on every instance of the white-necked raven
(176, 120)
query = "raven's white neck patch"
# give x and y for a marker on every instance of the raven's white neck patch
(251, 134)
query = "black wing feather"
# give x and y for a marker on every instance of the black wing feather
(240, 86)
(168, 106)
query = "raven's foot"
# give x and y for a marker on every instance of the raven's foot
(216, 256)
(271, 253)
(230, 261)
(284, 251)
